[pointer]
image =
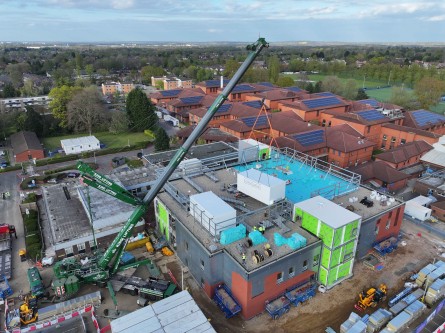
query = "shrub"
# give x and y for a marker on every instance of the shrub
(30, 198)
(32, 239)
(34, 251)
(135, 163)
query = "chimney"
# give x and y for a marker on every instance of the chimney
(222, 82)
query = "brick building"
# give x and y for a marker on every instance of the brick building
(404, 156)
(425, 120)
(172, 82)
(26, 146)
(273, 97)
(110, 88)
(393, 135)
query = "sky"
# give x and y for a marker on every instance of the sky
(222, 20)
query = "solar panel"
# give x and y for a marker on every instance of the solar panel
(294, 89)
(223, 108)
(325, 94)
(191, 100)
(371, 115)
(254, 104)
(250, 121)
(242, 87)
(310, 138)
(371, 102)
(424, 117)
(266, 84)
(321, 102)
(170, 93)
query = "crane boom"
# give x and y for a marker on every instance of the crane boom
(124, 233)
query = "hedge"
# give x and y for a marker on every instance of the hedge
(32, 231)
(33, 251)
(11, 168)
(30, 198)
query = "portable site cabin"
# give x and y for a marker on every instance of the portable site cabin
(417, 208)
(250, 150)
(338, 228)
(261, 186)
(80, 145)
(213, 213)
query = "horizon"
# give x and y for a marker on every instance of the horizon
(217, 21)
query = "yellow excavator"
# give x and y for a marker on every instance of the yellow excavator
(28, 310)
(371, 297)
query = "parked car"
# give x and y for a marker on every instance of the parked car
(2, 153)
(52, 181)
(73, 175)
(47, 261)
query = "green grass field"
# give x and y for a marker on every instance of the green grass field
(111, 140)
(320, 77)
(384, 94)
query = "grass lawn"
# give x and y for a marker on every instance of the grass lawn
(439, 108)
(111, 140)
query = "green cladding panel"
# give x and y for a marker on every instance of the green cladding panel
(264, 153)
(326, 233)
(325, 256)
(323, 276)
(163, 220)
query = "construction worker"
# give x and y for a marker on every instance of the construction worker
(261, 229)
(243, 257)
(254, 228)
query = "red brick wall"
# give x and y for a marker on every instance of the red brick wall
(395, 216)
(252, 306)
(438, 212)
(399, 136)
(349, 159)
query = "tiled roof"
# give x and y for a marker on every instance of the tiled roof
(411, 130)
(277, 94)
(345, 142)
(23, 141)
(238, 110)
(211, 134)
(213, 83)
(176, 93)
(358, 118)
(379, 170)
(423, 119)
(322, 103)
(371, 102)
(306, 141)
(405, 152)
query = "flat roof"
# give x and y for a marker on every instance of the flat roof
(67, 217)
(361, 209)
(257, 212)
(262, 178)
(327, 211)
(83, 140)
(175, 314)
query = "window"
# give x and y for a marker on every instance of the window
(339, 153)
(291, 271)
(202, 283)
(384, 137)
(354, 232)
(92, 247)
(347, 256)
(376, 229)
(279, 277)
(402, 141)
(369, 129)
(316, 259)
(69, 251)
(187, 246)
(81, 248)
(304, 265)
(202, 264)
(388, 224)
(393, 139)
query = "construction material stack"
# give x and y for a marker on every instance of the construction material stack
(435, 292)
(378, 320)
(5, 289)
(407, 300)
(401, 322)
(301, 292)
(6, 232)
(339, 229)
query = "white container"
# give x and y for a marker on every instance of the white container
(213, 213)
(261, 186)
(415, 210)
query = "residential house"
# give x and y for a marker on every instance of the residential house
(172, 82)
(425, 120)
(393, 135)
(110, 88)
(160, 98)
(272, 97)
(209, 135)
(381, 175)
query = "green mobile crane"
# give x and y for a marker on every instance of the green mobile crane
(100, 267)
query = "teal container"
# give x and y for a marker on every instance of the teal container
(59, 287)
(72, 284)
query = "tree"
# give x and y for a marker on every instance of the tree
(140, 111)
(274, 68)
(33, 122)
(16, 72)
(428, 91)
(9, 91)
(85, 111)
(285, 81)
(231, 67)
(317, 87)
(60, 97)
(162, 141)
(119, 122)
(361, 94)
(332, 84)
(309, 88)
(349, 90)
(401, 97)
(148, 71)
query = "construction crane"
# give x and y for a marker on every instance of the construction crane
(101, 266)
(371, 297)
